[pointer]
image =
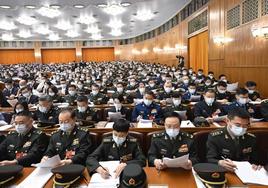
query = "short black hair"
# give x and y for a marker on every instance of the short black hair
(149, 93)
(241, 91)
(171, 115)
(82, 98)
(45, 98)
(121, 125)
(68, 110)
(95, 85)
(22, 103)
(238, 112)
(119, 97)
(222, 75)
(176, 95)
(192, 84)
(209, 91)
(73, 86)
(251, 83)
(25, 114)
(222, 83)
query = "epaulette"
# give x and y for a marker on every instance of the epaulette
(11, 132)
(132, 139)
(107, 140)
(252, 135)
(83, 129)
(187, 135)
(158, 134)
(216, 133)
(54, 132)
(37, 131)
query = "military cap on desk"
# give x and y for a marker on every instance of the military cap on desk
(86, 123)
(65, 176)
(133, 176)
(266, 167)
(43, 125)
(212, 175)
(7, 173)
(201, 122)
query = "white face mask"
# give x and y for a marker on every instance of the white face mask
(192, 91)
(172, 133)
(209, 101)
(42, 109)
(168, 89)
(132, 83)
(21, 128)
(177, 102)
(65, 127)
(120, 89)
(250, 91)
(26, 94)
(151, 85)
(147, 102)
(119, 140)
(242, 101)
(186, 81)
(82, 108)
(221, 91)
(95, 92)
(80, 86)
(142, 90)
(51, 94)
(72, 93)
(238, 131)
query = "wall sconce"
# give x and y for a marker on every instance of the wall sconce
(260, 32)
(117, 52)
(222, 40)
(144, 50)
(78, 53)
(136, 52)
(180, 47)
(37, 54)
(157, 50)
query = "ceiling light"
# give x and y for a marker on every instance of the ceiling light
(220, 40)
(102, 5)
(42, 29)
(79, 6)
(25, 34)
(144, 15)
(7, 36)
(30, 6)
(87, 19)
(5, 6)
(63, 25)
(96, 36)
(116, 32)
(115, 23)
(27, 20)
(92, 29)
(72, 33)
(7, 25)
(53, 36)
(55, 6)
(125, 4)
(114, 9)
(49, 12)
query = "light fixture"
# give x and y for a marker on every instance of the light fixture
(96, 36)
(115, 23)
(49, 12)
(42, 29)
(5, 6)
(117, 52)
(220, 40)
(79, 6)
(102, 5)
(7, 37)
(157, 50)
(92, 29)
(144, 15)
(125, 4)
(30, 6)
(63, 25)
(72, 33)
(55, 6)
(116, 32)
(135, 52)
(180, 47)
(7, 25)
(53, 36)
(260, 32)
(87, 19)
(112, 9)
(25, 34)
(27, 20)
(144, 50)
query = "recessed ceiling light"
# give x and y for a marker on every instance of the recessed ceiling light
(49, 12)
(5, 6)
(55, 6)
(7, 36)
(102, 5)
(30, 6)
(80, 6)
(125, 4)
(27, 20)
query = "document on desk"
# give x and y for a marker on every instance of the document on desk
(185, 124)
(12, 102)
(5, 127)
(37, 179)
(3, 123)
(50, 163)
(198, 182)
(114, 115)
(219, 118)
(248, 176)
(109, 125)
(97, 181)
(177, 162)
(145, 123)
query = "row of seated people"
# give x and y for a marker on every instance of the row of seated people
(27, 145)
(208, 108)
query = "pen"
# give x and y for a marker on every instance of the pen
(226, 160)
(106, 170)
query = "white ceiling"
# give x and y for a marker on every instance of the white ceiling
(164, 9)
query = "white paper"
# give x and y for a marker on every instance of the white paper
(37, 179)
(62, 105)
(97, 181)
(5, 127)
(247, 175)
(255, 102)
(144, 123)
(199, 183)
(2, 123)
(177, 162)
(12, 102)
(185, 124)
(219, 118)
(232, 87)
(195, 98)
(256, 119)
(109, 125)
(110, 91)
(114, 115)
(49, 163)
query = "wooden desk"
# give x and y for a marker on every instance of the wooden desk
(174, 178)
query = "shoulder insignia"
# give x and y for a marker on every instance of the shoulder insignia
(11, 132)
(132, 140)
(158, 134)
(83, 129)
(215, 133)
(107, 140)
(187, 135)
(252, 135)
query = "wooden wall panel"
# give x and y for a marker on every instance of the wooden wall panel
(98, 54)
(58, 55)
(15, 56)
